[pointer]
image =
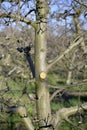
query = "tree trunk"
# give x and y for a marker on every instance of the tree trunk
(69, 77)
(42, 92)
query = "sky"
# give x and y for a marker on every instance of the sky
(54, 8)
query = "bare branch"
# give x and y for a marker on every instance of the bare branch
(25, 118)
(17, 17)
(76, 42)
(64, 113)
(12, 71)
(23, 114)
(64, 88)
(76, 93)
(81, 3)
(32, 10)
(67, 119)
(68, 86)
(55, 93)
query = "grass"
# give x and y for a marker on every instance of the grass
(55, 79)
(24, 100)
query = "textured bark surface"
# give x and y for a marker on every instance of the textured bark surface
(42, 92)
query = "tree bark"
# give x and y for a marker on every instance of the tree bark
(69, 77)
(42, 92)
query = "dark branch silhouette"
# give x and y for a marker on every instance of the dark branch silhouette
(28, 57)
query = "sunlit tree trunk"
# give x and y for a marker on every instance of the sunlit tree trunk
(69, 76)
(77, 32)
(78, 28)
(42, 92)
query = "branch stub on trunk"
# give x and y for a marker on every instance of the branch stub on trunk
(43, 75)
